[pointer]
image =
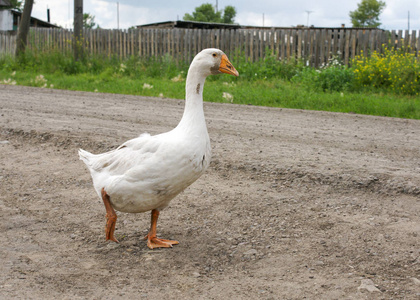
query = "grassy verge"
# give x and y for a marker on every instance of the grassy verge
(268, 83)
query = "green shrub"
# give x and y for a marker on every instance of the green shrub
(267, 68)
(332, 77)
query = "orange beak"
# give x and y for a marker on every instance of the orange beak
(227, 67)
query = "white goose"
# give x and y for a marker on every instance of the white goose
(147, 172)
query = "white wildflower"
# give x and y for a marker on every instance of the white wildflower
(51, 86)
(231, 84)
(228, 97)
(147, 86)
(122, 68)
(41, 81)
(13, 73)
(95, 91)
(177, 78)
(9, 81)
(161, 95)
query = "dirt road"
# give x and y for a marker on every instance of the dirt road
(295, 204)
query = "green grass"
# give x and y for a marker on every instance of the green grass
(266, 83)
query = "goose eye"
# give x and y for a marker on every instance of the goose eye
(214, 54)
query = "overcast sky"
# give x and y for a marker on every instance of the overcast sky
(282, 13)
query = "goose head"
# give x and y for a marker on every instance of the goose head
(213, 61)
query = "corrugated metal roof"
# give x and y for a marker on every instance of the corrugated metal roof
(189, 24)
(37, 21)
(5, 3)
(208, 25)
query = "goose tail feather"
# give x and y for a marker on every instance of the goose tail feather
(85, 156)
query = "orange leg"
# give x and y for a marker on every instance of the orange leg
(111, 218)
(152, 240)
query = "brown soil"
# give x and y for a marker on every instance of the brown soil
(296, 204)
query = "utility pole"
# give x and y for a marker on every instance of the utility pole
(263, 19)
(78, 29)
(69, 15)
(408, 20)
(307, 20)
(217, 6)
(118, 15)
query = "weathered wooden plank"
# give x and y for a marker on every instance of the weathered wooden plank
(312, 37)
(303, 44)
(359, 42)
(232, 43)
(250, 44)
(262, 44)
(222, 44)
(406, 40)
(318, 50)
(326, 44)
(271, 34)
(399, 40)
(299, 43)
(372, 39)
(292, 45)
(346, 48)
(417, 46)
(189, 44)
(335, 49)
(341, 42)
(288, 41)
(353, 44)
(413, 42)
(363, 40)
(279, 37)
(170, 42)
(257, 44)
(182, 45)
(329, 45)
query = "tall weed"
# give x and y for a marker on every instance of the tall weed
(397, 71)
(331, 77)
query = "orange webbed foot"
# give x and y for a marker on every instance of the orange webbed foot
(155, 242)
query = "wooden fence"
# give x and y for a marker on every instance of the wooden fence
(316, 46)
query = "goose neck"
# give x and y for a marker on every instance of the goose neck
(193, 112)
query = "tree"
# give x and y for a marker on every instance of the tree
(16, 4)
(207, 13)
(23, 30)
(88, 21)
(78, 30)
(367, 13)
(229, 14)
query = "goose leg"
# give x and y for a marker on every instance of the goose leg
(111, 218)
(152, 240)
